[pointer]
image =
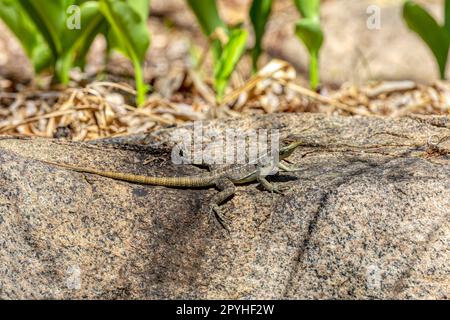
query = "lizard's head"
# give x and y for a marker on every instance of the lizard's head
(288, 146)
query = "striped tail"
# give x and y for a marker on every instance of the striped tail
(183, 182)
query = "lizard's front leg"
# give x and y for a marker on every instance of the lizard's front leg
(227, 190)
(266, 184)
(286, 168)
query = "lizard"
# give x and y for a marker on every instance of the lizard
(224, 179)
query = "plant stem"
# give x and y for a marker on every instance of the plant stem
(141, 88)
(314, 70)
(255, 55)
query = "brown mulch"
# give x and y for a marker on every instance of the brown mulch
(104, 109)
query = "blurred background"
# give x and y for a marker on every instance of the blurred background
(383, 70)
(351, 52)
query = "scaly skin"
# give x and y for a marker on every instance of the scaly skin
(223, 179)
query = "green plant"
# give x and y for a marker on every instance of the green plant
(308, 29)
(230, 55)
(32, 41)
(52, 43)
(226, 52)
(436, 36)
(259, 15)
(129, 34)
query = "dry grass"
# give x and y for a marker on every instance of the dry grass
(101, 109)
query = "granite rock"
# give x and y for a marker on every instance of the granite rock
(367, 222)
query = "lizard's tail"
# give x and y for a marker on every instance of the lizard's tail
(158, 181)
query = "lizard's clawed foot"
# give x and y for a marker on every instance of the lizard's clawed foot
(280, 190)
(286, 168)
(271, 187)
(275, 189)
(216, 213)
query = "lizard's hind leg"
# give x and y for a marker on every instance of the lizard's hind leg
(227, 190)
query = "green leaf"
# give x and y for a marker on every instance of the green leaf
(85, 45)
(308, 8)
(259, 14)
(50, 21)
(207, 15)
(309, 31)
(49, 18)
(141, 7)
(77, 40)
(90, 20)
(31, 40)
(435, 36)
(231, 54)
(130, 36)
(59, 33)
(447, 16)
